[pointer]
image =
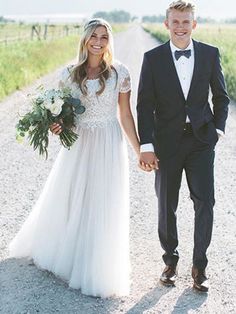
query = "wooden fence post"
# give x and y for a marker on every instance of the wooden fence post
(45, 31)
(48, 32)
(36, 30)
(66, 28)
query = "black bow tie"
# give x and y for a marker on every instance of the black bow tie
(185, 53)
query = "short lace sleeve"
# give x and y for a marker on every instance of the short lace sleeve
(64, 80)
(124, 80)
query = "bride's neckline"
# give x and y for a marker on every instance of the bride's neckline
(93, 79)
(94, 72)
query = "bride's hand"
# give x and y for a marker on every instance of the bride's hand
(56, 128)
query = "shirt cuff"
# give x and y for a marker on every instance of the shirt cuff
(147, 148)
(187, 119)
(220, 132)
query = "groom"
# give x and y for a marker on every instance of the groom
(178, 131)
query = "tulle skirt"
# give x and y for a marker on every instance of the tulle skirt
(79, 227)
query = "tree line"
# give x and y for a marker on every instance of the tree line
(121, 16)
(3, 20)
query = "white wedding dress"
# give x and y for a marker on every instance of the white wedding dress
(79, 227)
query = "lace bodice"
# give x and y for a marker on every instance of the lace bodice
(99, 109)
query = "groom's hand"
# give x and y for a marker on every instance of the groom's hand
(148, 161)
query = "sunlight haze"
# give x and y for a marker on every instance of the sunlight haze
(216, 9)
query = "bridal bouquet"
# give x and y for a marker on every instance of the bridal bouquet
(50, 106)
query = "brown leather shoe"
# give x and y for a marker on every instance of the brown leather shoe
(199, 277)
(168, 276)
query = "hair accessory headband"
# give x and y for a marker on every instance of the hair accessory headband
(97, 22)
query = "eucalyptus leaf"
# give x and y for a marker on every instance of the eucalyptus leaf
(72, 101)
(79, 109)
(36, 123)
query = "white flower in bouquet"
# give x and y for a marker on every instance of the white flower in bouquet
(50, 106)
(54, 105)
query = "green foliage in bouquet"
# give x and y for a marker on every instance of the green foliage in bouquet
(50, 106)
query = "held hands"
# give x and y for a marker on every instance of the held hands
(148, 161)
(56, 128)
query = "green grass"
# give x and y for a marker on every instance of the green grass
(119, 27)
(12, 29)
(23, 32)
(22, 63)
(222, 36)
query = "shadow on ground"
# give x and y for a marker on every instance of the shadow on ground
(183, 305)
(149, 300)
(185, 301)
(26, 289)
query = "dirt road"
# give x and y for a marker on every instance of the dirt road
(25, 289)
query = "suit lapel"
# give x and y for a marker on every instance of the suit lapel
(197, 66)
(170, 69)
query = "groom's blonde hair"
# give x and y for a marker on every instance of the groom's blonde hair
(181, 6)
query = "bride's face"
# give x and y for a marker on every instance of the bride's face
(98, 41)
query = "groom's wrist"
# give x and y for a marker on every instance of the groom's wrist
(144, 148)
(220, 132)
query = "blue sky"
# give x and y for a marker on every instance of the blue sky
(210, 8)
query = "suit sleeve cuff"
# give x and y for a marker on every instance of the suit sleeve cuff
(147, 148)
(220, 132)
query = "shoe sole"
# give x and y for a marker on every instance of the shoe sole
(167, 283)
(200, 288)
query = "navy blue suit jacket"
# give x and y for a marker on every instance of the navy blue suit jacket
(162, 108)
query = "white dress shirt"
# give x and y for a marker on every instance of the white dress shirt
(184, 68)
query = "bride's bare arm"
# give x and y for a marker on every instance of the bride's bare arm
(127, 121)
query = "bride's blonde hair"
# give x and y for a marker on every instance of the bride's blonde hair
(79, 72)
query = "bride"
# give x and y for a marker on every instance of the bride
(79, 227)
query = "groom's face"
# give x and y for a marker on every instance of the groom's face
(180, 24)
